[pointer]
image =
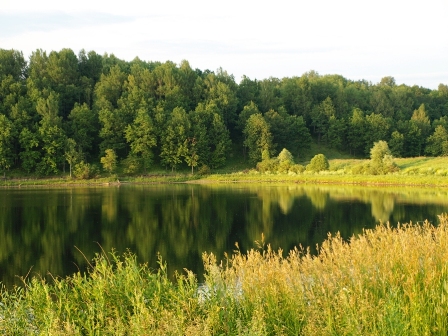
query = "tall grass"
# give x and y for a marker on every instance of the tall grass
(386, 281)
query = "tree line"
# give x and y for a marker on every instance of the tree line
(65, 111)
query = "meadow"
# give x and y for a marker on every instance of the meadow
(385, 281)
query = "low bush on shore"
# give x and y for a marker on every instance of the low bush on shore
(386, 281)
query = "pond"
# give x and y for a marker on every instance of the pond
(54, 230)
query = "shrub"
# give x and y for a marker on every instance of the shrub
(267, 165)
(204, 170)
(131, 165)
(297, 168)
(83, 170)
(318, 163)
(382, 161)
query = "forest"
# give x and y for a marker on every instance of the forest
(65, 112)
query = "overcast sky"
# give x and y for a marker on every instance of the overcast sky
(356, 39)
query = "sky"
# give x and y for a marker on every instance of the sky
(369, 40)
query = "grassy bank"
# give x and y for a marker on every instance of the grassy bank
(63, 181)
(420, 171)
(387, 281)
(330, 178)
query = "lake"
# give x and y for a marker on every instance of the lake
(55, 230)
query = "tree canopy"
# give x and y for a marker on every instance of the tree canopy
(148, 113)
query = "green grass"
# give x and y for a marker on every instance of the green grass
(385, 281)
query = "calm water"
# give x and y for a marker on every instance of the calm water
(42, 229)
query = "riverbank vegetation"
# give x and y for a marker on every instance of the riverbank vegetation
(91, 115)
(419, 171)
(385, 281)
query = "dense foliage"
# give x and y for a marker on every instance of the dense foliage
(61, 109)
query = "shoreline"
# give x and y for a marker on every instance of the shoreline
(236, 178)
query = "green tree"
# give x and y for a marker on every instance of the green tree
(220, 89)
(296, 96)
(220, 142)
(12, 63)
(285, 160)
(72, 155)
(356, 132)
(421, 120)
(320, 116)
(379, 150)
(437, 143)
(191, 154)
(269, 94)
(412, 145)
(248, 110)
(211, 135)
(30, 154)
(247, 92)
(258, 138)
(6, 158)
(63, 75)
(381, 159)
(377, 128)
(318, 163)
(82, 127)
(173, 139)
(109, 161)
(396, 143)
(288, 131)
(109, 89)
(140, 134)
(335, 135)
(51, 134)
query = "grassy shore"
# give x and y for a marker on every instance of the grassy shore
(420, 171)
(386, 281)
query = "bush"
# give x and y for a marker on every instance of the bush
(318, 163)
(204, 170)
(270, 165)
(131, 165)
(297, 168)
(85, 170)
(382, 161)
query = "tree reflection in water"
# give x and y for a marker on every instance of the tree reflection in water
(44, 228)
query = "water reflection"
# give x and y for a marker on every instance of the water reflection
(44, 228)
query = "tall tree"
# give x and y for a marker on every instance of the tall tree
(258, 138)
(221, 90)
(421, 121)
(191, 153)
(140, 134)
(51, 134)
(320, 117)
(173, 139)
(437, 143)
(377, 128)
(288, 131)
(396, 144)
(109, 161)
(6, 128)
(356, 132)
(30, 153)
(335, 136)
(72, 154)
(83, 128)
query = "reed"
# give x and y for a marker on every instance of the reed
(385, 281)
